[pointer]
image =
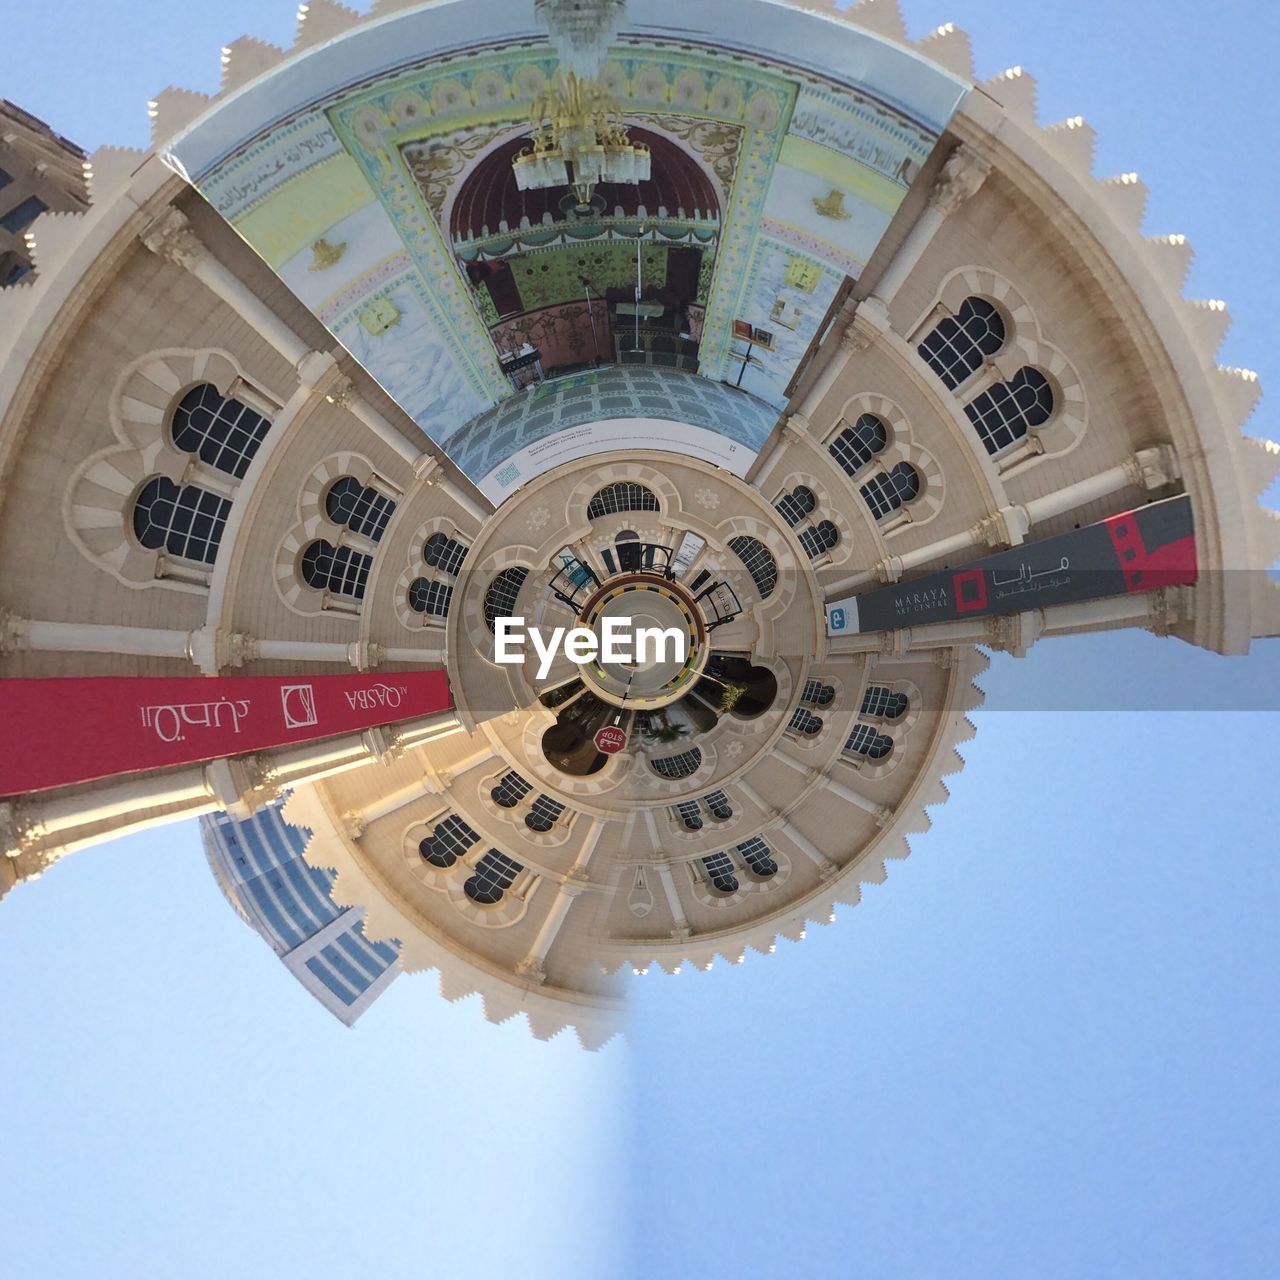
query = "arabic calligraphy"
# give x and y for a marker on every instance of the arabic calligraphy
(821, 129)
(170, 720)
(274, 169)
(1028, 580)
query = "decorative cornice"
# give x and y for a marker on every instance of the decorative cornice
(961, 177)
(173, 238)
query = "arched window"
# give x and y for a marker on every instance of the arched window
(690, 815)
(614, 499)
(561, 694)
(958, 345)
(759, 563)
(682, 765)
(447, 843)
(221, 432)
(720, 869)
(183, 520)
(338, 570)
(430, 597)
(804, 722)
(494, 875)
(887, 493)
(794, 506)
(855, 446)
(511, 789)
(884, 704)
(1006, 412)
(543, 813)
(363, 510)
(817, 694)
(756, 854)
(718, 805)
(866, 742)
(444, 553)
(821, 538)
(500, 599)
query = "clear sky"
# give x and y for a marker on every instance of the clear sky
(1046, 1047)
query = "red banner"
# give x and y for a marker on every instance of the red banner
(61, 731)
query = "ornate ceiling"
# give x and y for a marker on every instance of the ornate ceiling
(870, 373)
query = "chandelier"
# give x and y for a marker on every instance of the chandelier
(578, 140)
(581, 31)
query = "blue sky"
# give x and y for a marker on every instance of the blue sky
(1046, 1047)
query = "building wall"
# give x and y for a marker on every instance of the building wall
(39, 170)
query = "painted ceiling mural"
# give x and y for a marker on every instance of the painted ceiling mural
(793, 173)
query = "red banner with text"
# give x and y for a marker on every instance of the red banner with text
(61, 731)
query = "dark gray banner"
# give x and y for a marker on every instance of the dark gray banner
(1136, 551)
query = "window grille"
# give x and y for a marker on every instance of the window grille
(720, 869)
(221, 432)
(430, 597)
(959, 345)
(337, 570)
(817, 694)
(758, 561)
(690, 815)
(756, 854)
(794, 506)
(718, 805)
(543, 813)
(448, 842)
(888, 492)
(494, 875)
(184, 520)
(866, 742)
(444, 553)
(500, 599)
(682, 765)
(804, 722)
(363, 510)
(819, 539)
(1005, 413)
(614, 499)
(883, 703)
(511, 789)
(855, 446)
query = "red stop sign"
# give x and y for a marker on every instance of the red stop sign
(610, 739)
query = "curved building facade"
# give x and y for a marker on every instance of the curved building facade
(770, 328)
(259, 865)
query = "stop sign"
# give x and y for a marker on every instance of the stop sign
(610, 739)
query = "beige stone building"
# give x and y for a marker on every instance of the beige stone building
(39, 171)
(314, 386)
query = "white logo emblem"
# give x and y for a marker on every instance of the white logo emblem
(298, 702)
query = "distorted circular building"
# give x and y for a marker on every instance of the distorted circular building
(756, 322)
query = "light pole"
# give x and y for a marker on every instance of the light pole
(639, 283)
(591, 315)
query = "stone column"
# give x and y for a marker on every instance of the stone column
(879, 812)
(826, 868)
(961, 177)
(428, 469)
(673, 899)
(531, 966)
(853, 341)
(25, 635)
(1150, 468)
(794, 428)
(173, 238)
(756, 798)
